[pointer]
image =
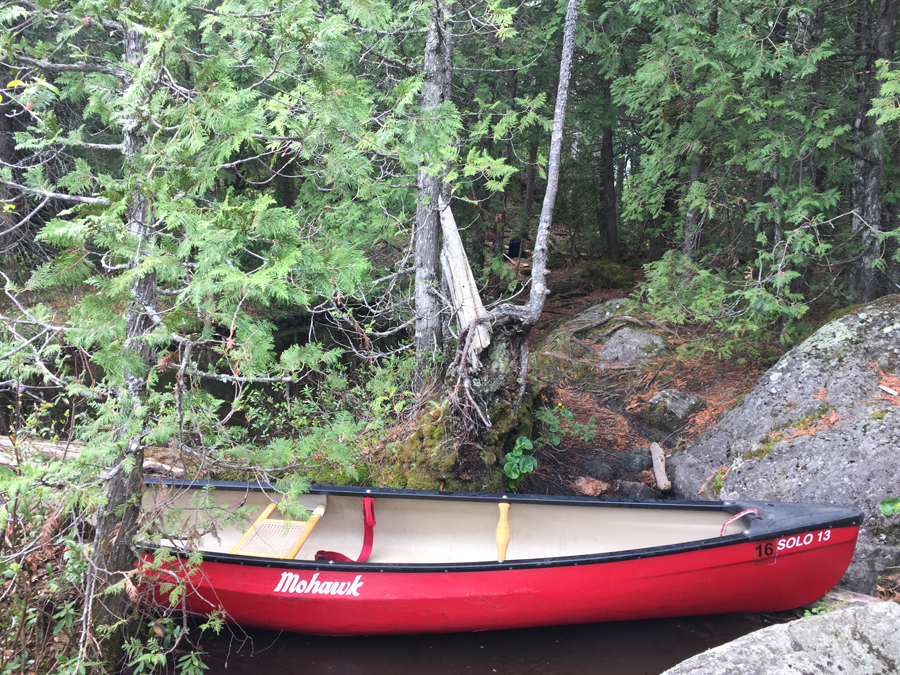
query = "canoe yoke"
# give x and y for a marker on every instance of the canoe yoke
(277, 538)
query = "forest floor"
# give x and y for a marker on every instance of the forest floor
(618, 412)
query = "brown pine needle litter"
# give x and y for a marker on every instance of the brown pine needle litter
(888, 384)
(720, 383)
(614, 431)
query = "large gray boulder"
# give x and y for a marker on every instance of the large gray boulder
(817, 428)
(861, 640)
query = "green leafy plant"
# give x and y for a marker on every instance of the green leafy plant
(822, 608)
(890, 506)
(558, 420)
(553, 420)
(517, 464)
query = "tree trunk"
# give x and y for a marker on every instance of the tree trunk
(490, 386)
(877, 36)
(478, 241)
(18, 227)
(692, 219)
(807, 169)
(608, 160)
(658, 240)
(435, 90)
(774, 227)
(9, 234)
(506, 151)
(116, 524)
(539, 290)
(809, 174)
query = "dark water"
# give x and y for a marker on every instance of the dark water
(625, 648)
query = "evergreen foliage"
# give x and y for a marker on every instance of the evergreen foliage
(208, 214)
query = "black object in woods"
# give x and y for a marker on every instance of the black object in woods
(515, 247)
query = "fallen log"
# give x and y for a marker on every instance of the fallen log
(10, 456)
(659, 467)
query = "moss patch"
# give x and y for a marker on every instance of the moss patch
(763, 450)
(844, 311)
(428, 459)
(738, 402)
(806, 422)
(810, 419)
(338, 475)
(424, 461)
(878, 415)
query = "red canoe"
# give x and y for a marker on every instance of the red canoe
(428, 561)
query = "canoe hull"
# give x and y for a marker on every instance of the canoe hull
(756, 576)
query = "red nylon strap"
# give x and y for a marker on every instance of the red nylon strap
(368, 505)
(736, 517)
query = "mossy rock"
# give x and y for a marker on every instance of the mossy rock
(567, 352)
(843, 311)
(424, 460)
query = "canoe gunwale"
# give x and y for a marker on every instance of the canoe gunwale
(776, 519)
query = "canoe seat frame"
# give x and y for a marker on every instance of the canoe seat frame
(274, 538)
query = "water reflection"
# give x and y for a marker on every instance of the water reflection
(625, 648)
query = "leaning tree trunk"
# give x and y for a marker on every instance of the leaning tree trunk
(539, 290)
(117, 522)
(492, 387)
(430, 184)
(877, 36)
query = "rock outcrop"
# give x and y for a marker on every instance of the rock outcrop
(596, 344)
(862, 640)
(822, 425)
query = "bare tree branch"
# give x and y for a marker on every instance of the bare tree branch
(56, 195)
(70, 67)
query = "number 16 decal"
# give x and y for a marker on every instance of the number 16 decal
(765, 550)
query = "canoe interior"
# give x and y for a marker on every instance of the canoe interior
(437, 531)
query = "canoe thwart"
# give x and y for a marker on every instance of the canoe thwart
(502, 534)
(277, 538)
